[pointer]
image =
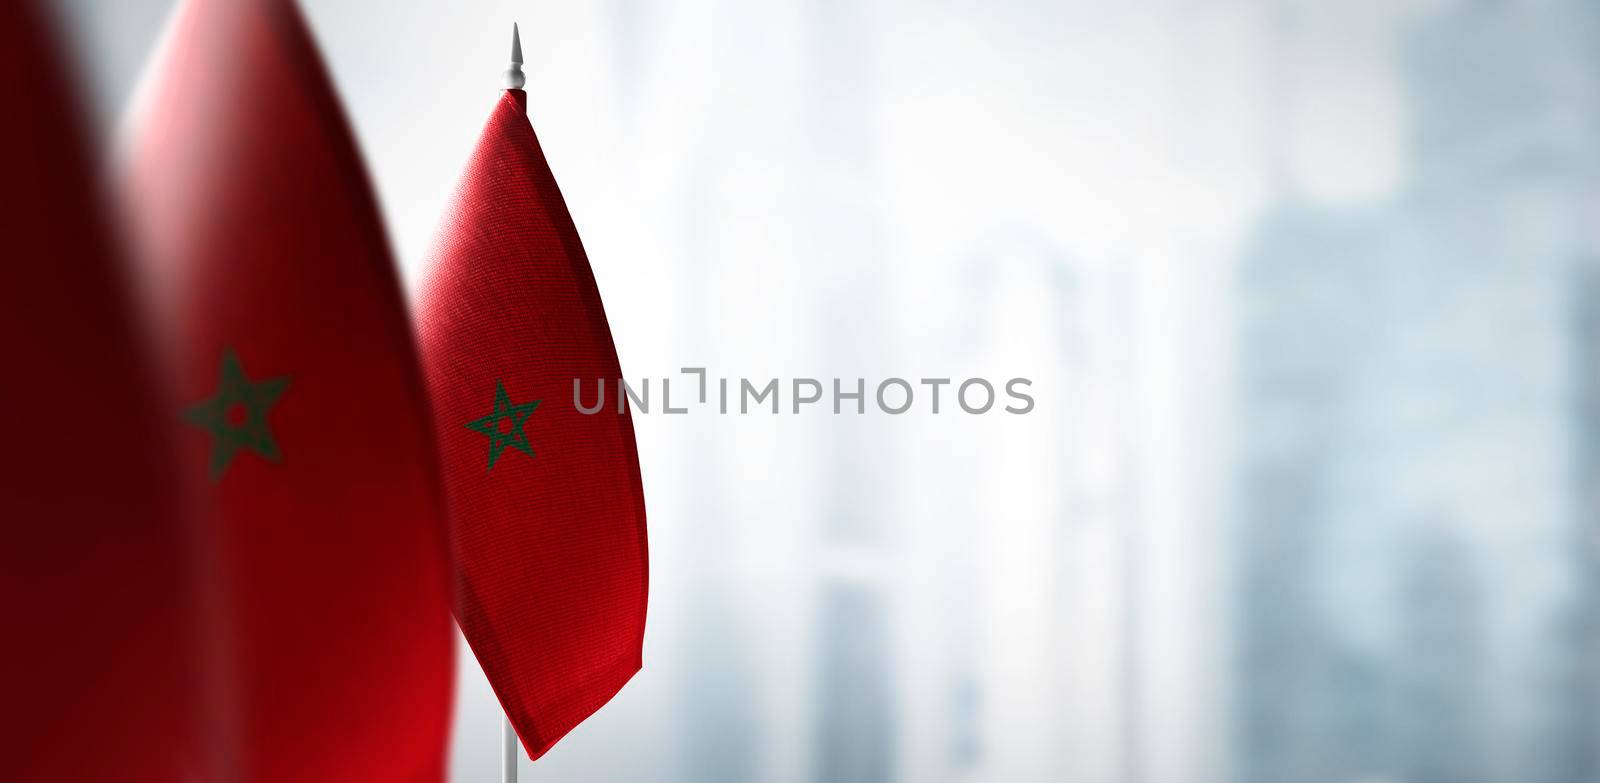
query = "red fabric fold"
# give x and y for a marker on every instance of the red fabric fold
(302, 420)
(546, 503)
(100, 671)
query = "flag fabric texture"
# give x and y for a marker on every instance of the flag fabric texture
(302, 420)
(546, 503)
(97, 566)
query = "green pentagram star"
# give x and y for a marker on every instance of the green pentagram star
(237, 416)
(513, 436)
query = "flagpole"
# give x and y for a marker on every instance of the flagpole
(508, 751)
(514, 80)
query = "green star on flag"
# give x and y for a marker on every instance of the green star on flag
(236, 416)
(511, 435)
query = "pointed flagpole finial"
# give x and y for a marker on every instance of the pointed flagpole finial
(514, 77)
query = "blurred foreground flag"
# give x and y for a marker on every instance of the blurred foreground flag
(99, 669)
(546, 505)
(303, 420)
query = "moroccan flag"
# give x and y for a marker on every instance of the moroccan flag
(302, 418)
(546, 505)
(98, 673)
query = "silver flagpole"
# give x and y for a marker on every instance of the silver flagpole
(508, 751)
(509, 744)
(514, 78)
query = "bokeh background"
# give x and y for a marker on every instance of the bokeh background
(1309, 292)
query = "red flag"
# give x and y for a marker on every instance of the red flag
(97, 563)
(303, 417)
(546, 504)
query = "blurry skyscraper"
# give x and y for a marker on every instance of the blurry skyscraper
(1577, 634)
(1443, 714)
(1411, 454)
(855, 726)
(1304, 689)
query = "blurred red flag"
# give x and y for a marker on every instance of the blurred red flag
(546, 504)
(303, 420)
(99, 667)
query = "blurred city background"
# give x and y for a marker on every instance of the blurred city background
(1310, 294)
